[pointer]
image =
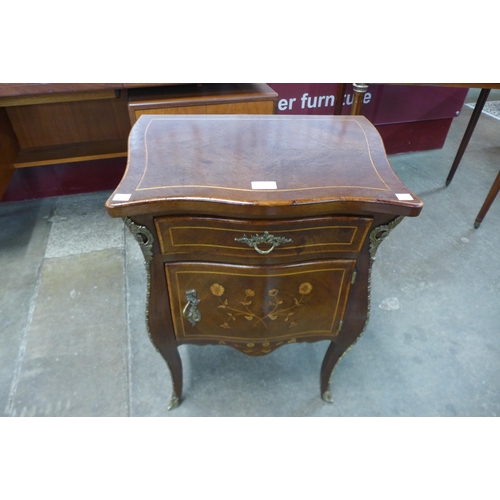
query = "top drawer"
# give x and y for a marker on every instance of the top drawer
(187, 235)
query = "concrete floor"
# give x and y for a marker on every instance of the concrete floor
(73, 340)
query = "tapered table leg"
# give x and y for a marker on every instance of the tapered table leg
(489, 200)
(468, 132)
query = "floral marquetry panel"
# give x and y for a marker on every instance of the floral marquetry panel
(254, 304)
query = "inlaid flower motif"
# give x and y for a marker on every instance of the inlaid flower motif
(217, 289)
(279, 310)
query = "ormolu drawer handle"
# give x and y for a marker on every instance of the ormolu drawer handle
(190, 311)
(266, 238)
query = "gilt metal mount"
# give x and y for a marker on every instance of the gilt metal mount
(143, 236)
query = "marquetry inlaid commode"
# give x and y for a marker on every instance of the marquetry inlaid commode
(258, 231)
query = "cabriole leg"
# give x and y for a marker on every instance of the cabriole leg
(155, 313)
(174, 363)
(330, 360)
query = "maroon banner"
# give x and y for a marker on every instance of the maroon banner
(408, 117)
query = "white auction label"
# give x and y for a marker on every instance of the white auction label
(404, 197)
(121, 197)
(264, 185)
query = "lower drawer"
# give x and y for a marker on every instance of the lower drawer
(258, 308)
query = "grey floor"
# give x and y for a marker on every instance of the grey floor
(73, 340)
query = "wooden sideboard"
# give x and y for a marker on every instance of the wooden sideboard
(47, 124)
(258, 231)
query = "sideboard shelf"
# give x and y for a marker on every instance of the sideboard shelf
(68, 153)
(50, 124)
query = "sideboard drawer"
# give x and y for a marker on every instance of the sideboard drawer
(184, 235)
